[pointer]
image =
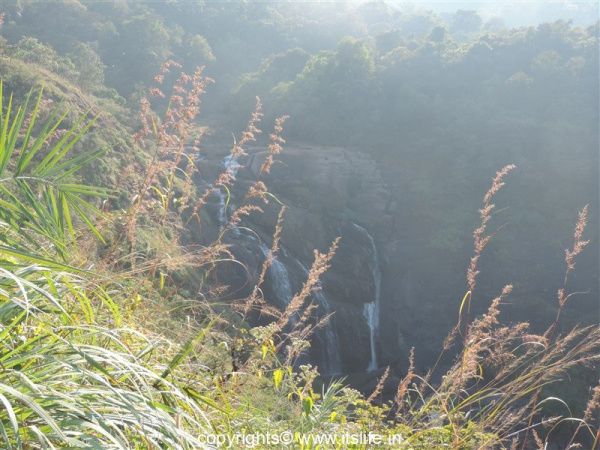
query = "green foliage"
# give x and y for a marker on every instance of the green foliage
(89, 67)
(466, 21)
(30, 50)
(199, 51)
(444, 110)
(77, 370)
(71, 376)
(40, 200)
(143, 48)
(85, 360)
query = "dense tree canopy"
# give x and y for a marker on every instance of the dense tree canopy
(450, 94)
(431, 100)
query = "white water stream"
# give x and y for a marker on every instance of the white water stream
(330, 344)
(282, 285)
(230, 163)
(371, 310)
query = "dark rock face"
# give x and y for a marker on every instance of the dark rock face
(327, 190)
(332, 192)
(328, 193)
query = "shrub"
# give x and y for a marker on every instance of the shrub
(94, 358)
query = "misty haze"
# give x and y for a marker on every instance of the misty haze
(290, 224)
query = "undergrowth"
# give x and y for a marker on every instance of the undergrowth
(101, 350)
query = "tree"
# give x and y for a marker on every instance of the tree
(466, 21)
(438, 34)
(354, 58)
(29, 49)
(89, 66)
(143, 46)
(198, 51)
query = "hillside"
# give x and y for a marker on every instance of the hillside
(185, 266)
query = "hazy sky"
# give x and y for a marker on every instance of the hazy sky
(519, 12)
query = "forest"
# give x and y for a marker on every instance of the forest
(312, 225)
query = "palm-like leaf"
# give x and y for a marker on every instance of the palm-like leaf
(37, 201)
(67, 380)
(68, 383)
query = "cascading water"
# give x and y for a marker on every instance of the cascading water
(331, 347)
(371, 313)
(371, 310)
(222, 212)
(230, 164)
(281, 278)
(281, 281)
(330, 343)
(281, 284)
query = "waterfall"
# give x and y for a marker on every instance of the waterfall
(331, 347)
(371, 310)
(371, 313)
(230, 164)
(222, 212)
(281, 278)
(281, 283)
(282, 289)
(330, 343)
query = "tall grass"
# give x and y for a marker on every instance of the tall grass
(72, 373)
(490, 397)
(92, 357)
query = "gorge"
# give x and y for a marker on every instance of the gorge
(377, 294)
(299, 219)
